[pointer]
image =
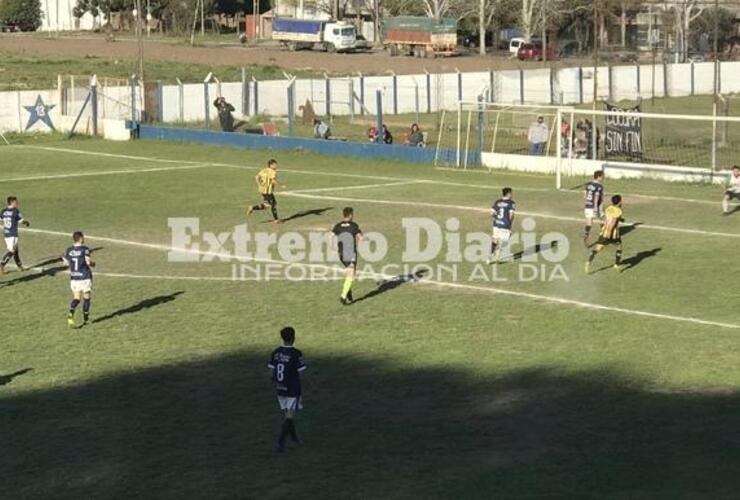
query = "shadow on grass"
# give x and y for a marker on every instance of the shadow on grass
(306, 213)
(6, 379)
(392, 284)
(140, 306)
(638, 258)
(378, 428)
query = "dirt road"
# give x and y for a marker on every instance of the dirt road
(233, 54)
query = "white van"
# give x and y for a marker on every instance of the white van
(514, 45)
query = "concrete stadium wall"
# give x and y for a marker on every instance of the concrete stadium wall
(357, 94)
(612, 169)
(330, 148)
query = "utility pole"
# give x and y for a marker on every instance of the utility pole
(543, 17)
(202, 19)
(140, 40)
(596, 52)
(482, 28)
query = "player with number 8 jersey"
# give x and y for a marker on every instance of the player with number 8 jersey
(286, 364)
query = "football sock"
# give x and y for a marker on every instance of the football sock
(587, 232)
(347, 286)
(17, 258)
(73, 306)
(258, 207)
(618, 259)
(493, 249)
(725, 205)
(284, 431)
(273, 208)
(291, 429)
(592, 256)
(86, 309)
(6, 258)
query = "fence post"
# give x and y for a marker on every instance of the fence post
(327, 92)
(255, 87)
(362, 94)
(379, 115)
(580, 84)
(459, 85)
(552, 85)
(416, 99)
(206, 99)
(429, 91)
(160, 101)
(521, 86)
(351, 99)
(133, 99)
(94, 103)
(180, 100)
(291, 107)
(638, 76)
(719, 77)
(665, 79)
(693, 76)
(394, 78)
(610, 75)
(245, 92)
(491, 86)
(481, 108)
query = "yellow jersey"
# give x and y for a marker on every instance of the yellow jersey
(610, 228)
(266, 180)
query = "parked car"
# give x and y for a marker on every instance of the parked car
(362, 44)
(514, 45)
(471, 39)
(532, 51)
(8, 28)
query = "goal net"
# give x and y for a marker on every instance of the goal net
(479, 128)
(574, 142)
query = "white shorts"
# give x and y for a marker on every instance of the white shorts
(11, 243)
(592, 213)
(502, 235)
(80, 286)
(288, 403)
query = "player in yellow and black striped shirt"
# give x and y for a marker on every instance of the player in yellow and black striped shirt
(266, 183)
(610, 234)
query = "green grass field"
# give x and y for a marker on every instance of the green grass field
(612, 385)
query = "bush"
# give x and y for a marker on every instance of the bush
(26, 14)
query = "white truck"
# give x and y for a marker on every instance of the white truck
(297, 34)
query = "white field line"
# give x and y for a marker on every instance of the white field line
(367, 177)
(487, 210)
(461, 286)
(165, 277)
(104, 172)
(345, 188)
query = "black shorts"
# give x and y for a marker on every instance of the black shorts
(269, 199)
(608, 241)
(732, 196)
(349, 263)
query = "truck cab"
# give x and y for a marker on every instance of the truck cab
(339, 37)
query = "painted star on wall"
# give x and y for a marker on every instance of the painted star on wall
(39, 112)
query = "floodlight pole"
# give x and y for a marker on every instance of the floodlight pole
(206, 99)
(716, 87)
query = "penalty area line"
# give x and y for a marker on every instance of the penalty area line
(443, 284)
(487, 210)
(104, 172)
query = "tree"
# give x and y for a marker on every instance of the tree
(26, 14)
(685, 12)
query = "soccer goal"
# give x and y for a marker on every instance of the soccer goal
(479, 128)
(628, 143)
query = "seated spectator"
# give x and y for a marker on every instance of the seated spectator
(225, 117)
(416, 137)
(321, 130)
(372, 134)
(387, 136)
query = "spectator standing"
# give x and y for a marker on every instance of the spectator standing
(537, 137)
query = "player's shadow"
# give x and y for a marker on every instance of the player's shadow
(637, 259)
(6, 379)
(306, 213)
(388, 425)
(625, 230)
(533, 250)
(140, 306)
(30, 276)
(392, 284)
